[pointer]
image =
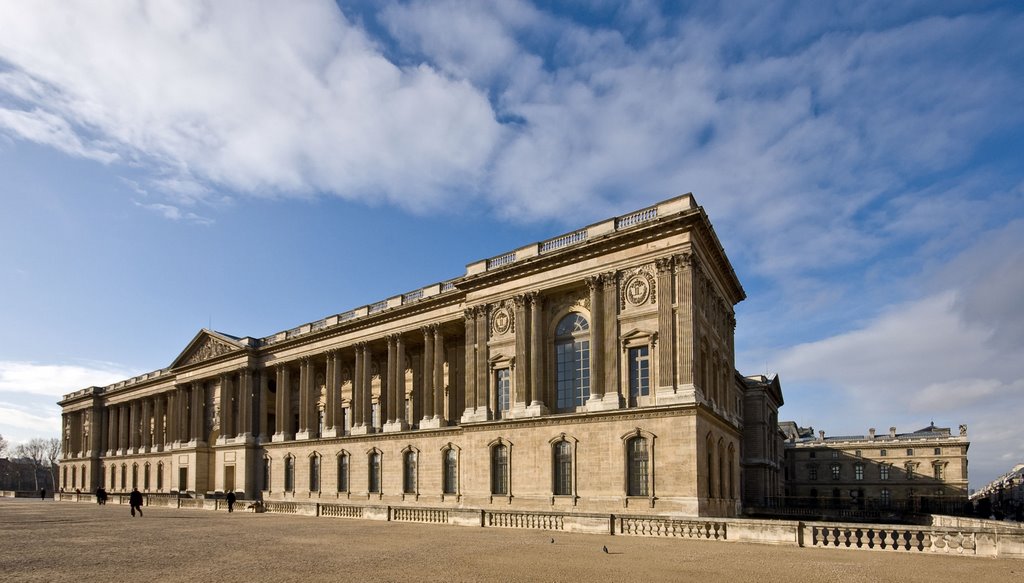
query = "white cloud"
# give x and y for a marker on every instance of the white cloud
(264, 99)
(29, 392)
(952, 356)
(55, 380)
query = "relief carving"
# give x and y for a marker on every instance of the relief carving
(637, 287)
(503, 319)
(208, 348)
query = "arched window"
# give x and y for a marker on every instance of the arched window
(637, 466)
(74, 476)
(499, 470)
(145, 477)
(343, 472)
(409, 472)
(561, 461)
(82, 474)
(314, 473)
(373, 475)
(160, 477)
(289, 474)
(731, 490)
(572, 361)
(113, 477)
(451, 471)
(124, 476)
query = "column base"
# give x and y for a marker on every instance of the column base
(521, 411)
(478, 414)
(222, 440)
(395, 426)
(431, 423)
(330, 432)
(362, 430)
(281, 437)
(304, 435)
(244, 438)
(683, 395)
(607, 402)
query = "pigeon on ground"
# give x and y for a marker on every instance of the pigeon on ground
(605, 550)
(552, 541)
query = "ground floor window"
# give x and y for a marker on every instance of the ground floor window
(373, 475)
(451, 471)
(409, 472)
(562, 468)
(343, 473)
(314, 473)
(499, 470)
(289, 474)
(637, 466)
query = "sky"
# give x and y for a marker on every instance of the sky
(251, 166)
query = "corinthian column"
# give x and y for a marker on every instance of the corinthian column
(470, 360)
(666, 391)
(535, 389)
(439, 414)
(428, 376)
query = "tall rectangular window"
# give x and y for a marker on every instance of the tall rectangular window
(637, 467)
(266, 473)
(160, 477)
(562, 468)
(835, 471)
(343, 473)
(289, 474)
(499, 470)
(451, 470)
(812, 473)
(374, 474)
(409, 472)
(639, 374)
(503, 386)
(883, 472)
(886, 498)
(858, 472)
(938, 471)
(314, 473)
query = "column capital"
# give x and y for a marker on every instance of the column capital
(594, 281)
(664, 264)
(610, 279)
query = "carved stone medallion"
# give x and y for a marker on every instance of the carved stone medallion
(501, 322)
(637, 290)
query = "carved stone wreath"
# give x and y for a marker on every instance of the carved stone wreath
(638, 287)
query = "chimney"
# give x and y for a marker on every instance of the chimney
(821, 435)
(871, 433)
(892, 432)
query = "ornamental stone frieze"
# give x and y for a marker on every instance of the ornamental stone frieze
(208, 348)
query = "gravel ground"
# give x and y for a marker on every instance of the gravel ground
(62, 541)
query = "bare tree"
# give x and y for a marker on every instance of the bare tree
(52, 453)
(3, 445)
(33, 450)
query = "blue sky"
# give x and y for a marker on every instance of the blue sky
(254, 166)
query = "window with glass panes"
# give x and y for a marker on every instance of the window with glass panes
(639, 373)
(343, 473)
(451, 470)
(289, 474)
(835, 471)
(499, 470)
(562, 468)
(883, 472)
(637, 466)
(314, 473)
(409, 472)
(858, 471)
(572, 361)
(373, 474)
(503, 384)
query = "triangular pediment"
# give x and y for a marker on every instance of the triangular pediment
(207, 344)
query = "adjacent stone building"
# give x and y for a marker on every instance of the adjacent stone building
(925, 470)
(592, 372)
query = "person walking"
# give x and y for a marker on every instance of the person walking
(135, 500)
(42, 494)
(231, 501)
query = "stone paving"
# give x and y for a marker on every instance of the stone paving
(63, 541)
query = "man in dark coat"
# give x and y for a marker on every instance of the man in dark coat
(135, 500)
(231, 501)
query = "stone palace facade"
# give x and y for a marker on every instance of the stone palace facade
(592, 372)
